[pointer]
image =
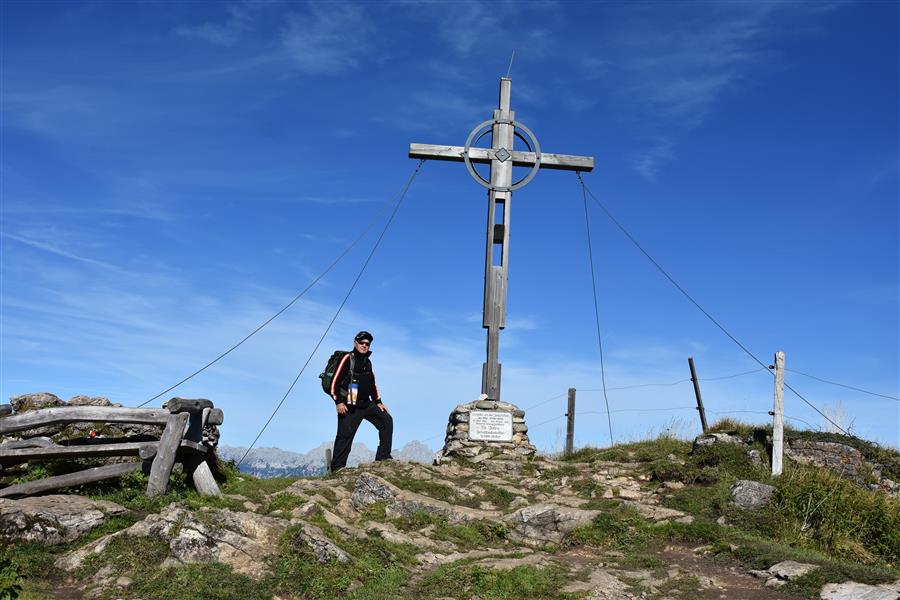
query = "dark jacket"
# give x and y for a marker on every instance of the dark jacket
(355, 368)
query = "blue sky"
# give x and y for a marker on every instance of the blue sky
(174, 173)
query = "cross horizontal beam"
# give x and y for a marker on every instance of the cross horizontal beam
(564, 162)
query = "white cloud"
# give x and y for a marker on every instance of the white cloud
(240, 18)
(326, 38)
(53, 248)
(674, 70)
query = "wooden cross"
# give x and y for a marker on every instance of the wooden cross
(502, 157)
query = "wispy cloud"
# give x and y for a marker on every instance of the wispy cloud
(673, 70)
(239, 19)
(326, 38)
(46, 246)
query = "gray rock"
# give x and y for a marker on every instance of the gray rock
(751, 494)
(546, 523)
(53, 519)
(710, 439)
(35, 401)
(485, 404)
(789, 570)
(89, 401)
(241, 540)
(652, 512)
(846, 461)
(851, 590)
(755, 458)
(5, 409)
(323, 548)
(370, 489)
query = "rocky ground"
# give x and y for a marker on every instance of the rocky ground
(498, 529)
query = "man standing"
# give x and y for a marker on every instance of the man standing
(356, 398)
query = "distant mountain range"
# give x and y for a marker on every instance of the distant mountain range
(275, 462)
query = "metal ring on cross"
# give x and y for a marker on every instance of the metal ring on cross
(503, 154)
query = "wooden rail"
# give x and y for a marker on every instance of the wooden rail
(82, 414)
(181, 440)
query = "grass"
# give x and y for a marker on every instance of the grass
(378, 569)
(815, 516)
(189, 582)
(684, 586)
(126, 555)
(620, 530)
(10, 580)
(642, 452)
(823, 511)
(755, 551)
(474, 534)
(498, 496)
(468, 581)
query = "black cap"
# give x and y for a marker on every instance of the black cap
(363, 335)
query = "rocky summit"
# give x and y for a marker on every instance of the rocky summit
(542, 528)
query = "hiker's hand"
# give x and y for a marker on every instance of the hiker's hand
(342, 409)
(383, 407)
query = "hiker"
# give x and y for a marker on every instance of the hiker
(356, 398)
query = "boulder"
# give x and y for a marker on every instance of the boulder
(709, 439)
(791, 569)
(851, 590)
(370, 489)
(53, 519)
(410, 503)
(89, 401)
(241, 540)
(322, 548)
(779, 574)
(844, 460)
(653, 513)
(546, 523)
(35, 401)
(755, 458)
(751, 494)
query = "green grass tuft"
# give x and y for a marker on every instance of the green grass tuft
(469, 581)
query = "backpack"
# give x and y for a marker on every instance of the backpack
(327, 376)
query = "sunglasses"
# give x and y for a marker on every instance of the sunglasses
(364, 343)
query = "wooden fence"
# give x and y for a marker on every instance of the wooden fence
(181, 440)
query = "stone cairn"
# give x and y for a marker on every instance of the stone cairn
(458, 442)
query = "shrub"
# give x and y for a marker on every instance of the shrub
(10, 580)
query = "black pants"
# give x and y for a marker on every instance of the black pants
(347, 425)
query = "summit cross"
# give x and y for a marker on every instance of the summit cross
(502, 157)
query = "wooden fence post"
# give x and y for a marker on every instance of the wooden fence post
(696, 382)
(570, 423)
(778, 416)
(165, 454)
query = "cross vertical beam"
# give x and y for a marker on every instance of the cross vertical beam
(502, 157)
(496, 269)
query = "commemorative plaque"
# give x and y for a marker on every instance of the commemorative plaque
(491, 426)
